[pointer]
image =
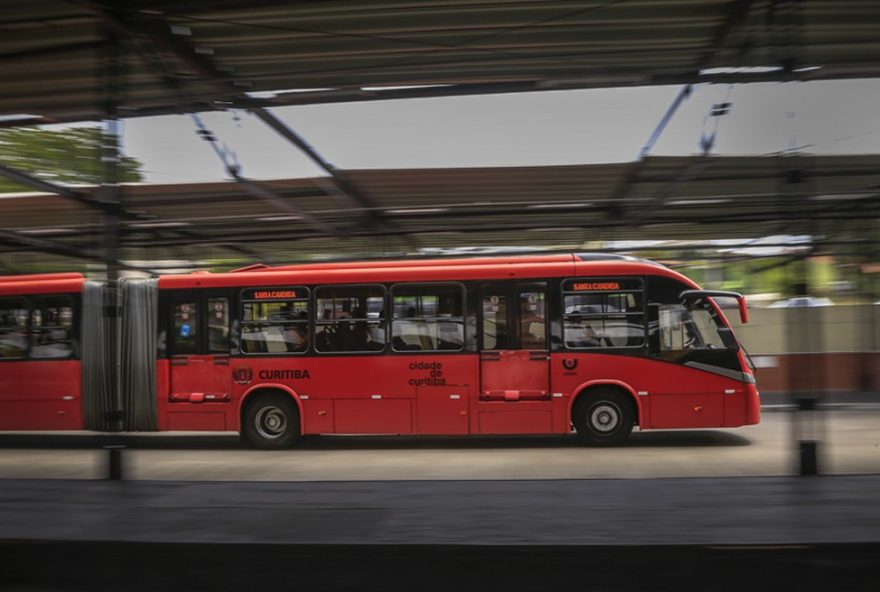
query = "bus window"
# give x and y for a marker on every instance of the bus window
(603, 313)
(218, 325)
(689, 327)
(275, 320)
(350, 318)
(427, 317)
(51, 327)
(13, 328)
(186, 328)
(495, 333)
(532, 320)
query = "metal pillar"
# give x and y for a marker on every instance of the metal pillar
(111, 196)
(804, 334)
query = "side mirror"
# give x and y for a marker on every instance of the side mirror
(740, 299)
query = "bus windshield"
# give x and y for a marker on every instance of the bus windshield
(692, 325)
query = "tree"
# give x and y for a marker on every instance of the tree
(61, 156)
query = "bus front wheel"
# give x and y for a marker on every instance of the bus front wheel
(271, 422)
(603, 416)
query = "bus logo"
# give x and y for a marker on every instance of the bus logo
(242, 375)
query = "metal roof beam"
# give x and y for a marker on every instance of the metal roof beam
(231, 246)
(282, 203)
(56, 248)
(739, 10)
(340, 181)
(624, 186)
(381, 47)
(176, 44)
(156, 30)
(348, 95)
(47, 187)
(255, 188)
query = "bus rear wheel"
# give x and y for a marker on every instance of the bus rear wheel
(271, 422)
(603, 416)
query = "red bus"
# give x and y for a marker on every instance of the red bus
(514, 345)
(39, 352)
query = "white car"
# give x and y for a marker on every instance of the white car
(800, 301)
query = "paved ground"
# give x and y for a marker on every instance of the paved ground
(731, 511)
(388, 514)
(850, 445)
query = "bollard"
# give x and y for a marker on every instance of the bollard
(115, 461)
(809, 458)
(808, 446)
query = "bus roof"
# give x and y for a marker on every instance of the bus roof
(35, 277)
(393, 263)
(431, 270)
(60, 283)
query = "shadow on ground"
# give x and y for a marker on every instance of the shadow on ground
(124, 566)
(665, 439)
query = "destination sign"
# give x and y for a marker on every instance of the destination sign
(590, 286)
(273, 294)
(603, 285)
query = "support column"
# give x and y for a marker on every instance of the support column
(111, 196)
(804, 330)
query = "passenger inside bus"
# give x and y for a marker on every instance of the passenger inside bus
(296, 336)
(359, 335)
(532, 330)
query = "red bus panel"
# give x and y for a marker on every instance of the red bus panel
(40, 395)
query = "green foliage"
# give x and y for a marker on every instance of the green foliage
(61, 156)
(835, 277)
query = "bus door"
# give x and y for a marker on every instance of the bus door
(198, 341)
(514, 358)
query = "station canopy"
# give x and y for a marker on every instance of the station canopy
(195, 55)
(84, 60)
(571, 207)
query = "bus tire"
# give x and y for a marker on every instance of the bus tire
(271, 422)
(603, 416)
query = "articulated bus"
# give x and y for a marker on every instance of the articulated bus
(514, 345)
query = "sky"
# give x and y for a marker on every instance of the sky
(541, 128)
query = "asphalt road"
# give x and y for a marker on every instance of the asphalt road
(850, 444)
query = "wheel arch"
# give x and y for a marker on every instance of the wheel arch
(265, 388)
(583, 391)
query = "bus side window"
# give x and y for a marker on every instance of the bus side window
(13, 328)
(351, 319)
(186, 328)
(603, 313)
(275, 321)
(52, 326)
(495, 334)
(427, 317)
(218, 325)
(532, 320)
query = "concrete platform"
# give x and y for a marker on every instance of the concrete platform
(336, 517)
(850, 445)
(808, 533)
(740, 511)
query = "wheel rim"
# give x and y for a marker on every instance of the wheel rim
(605, 417)
(271, 422)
